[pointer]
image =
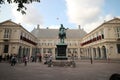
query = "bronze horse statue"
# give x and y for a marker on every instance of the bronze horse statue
(62, 33)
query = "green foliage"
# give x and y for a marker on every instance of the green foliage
(21, 8)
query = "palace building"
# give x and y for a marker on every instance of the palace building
(48, 39)
(101, 43)
(14, 39)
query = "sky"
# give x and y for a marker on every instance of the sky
(89, 14)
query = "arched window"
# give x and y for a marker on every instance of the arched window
(94, 51)
(99, 52)
(104, 52)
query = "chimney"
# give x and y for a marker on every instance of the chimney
(47, 28)
(38, 26)
(79, 26)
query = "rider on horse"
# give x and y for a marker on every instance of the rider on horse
(62, 33)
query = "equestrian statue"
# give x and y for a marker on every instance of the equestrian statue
(62, 33)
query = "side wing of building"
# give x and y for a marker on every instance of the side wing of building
(103, 42)
(14, 39)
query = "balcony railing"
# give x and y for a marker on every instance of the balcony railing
(27, 40)
(6, 39)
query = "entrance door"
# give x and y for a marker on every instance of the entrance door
(6, 48)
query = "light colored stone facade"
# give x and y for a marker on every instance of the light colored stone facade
(14, 39)
(101, 43)
(48, 39)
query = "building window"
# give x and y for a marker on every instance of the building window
(6, 47)
(118, 32)
(102, 36)
(49, 50)
(102, 33)
(97, 34)
(7, 33)
(118, 48)
(44, 50)
(75, 44)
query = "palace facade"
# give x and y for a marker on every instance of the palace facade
(14, 39)
(48, 39)
(101, 43)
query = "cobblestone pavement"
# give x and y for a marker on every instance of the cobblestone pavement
(39, 71)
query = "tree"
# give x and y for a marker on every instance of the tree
(20, 4)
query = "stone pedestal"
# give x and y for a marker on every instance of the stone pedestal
(61, 52)
(61, 63)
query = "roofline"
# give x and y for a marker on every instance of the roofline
(18, 25)
(107, 22)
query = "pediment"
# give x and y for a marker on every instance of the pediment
(8, 22)
(115, 20)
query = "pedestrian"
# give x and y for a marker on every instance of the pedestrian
(13, 60)
(73, 64)
(40, 58)
(46, 58)
(31, 59)
(25, 59)
(8, 57)
(50, 61)
(35, 58)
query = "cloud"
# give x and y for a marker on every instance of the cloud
(32, 17)
(84, 12)
(91, 26)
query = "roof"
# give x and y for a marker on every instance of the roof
(53, 33)
(115, 20)
(9, 22)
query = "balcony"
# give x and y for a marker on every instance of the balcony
(6, 39)
(118, 39)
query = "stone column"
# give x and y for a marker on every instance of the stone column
(78, 51)
(53, 52)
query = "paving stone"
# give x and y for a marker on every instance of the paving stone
(40, 71)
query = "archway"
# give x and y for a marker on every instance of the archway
(99, 52)
(20, 52)
(104, 52)
(94, 53)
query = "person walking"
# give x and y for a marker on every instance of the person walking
(50, 61)
(73, 60)
(25, 59)
(40, 58)
(13, 60)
